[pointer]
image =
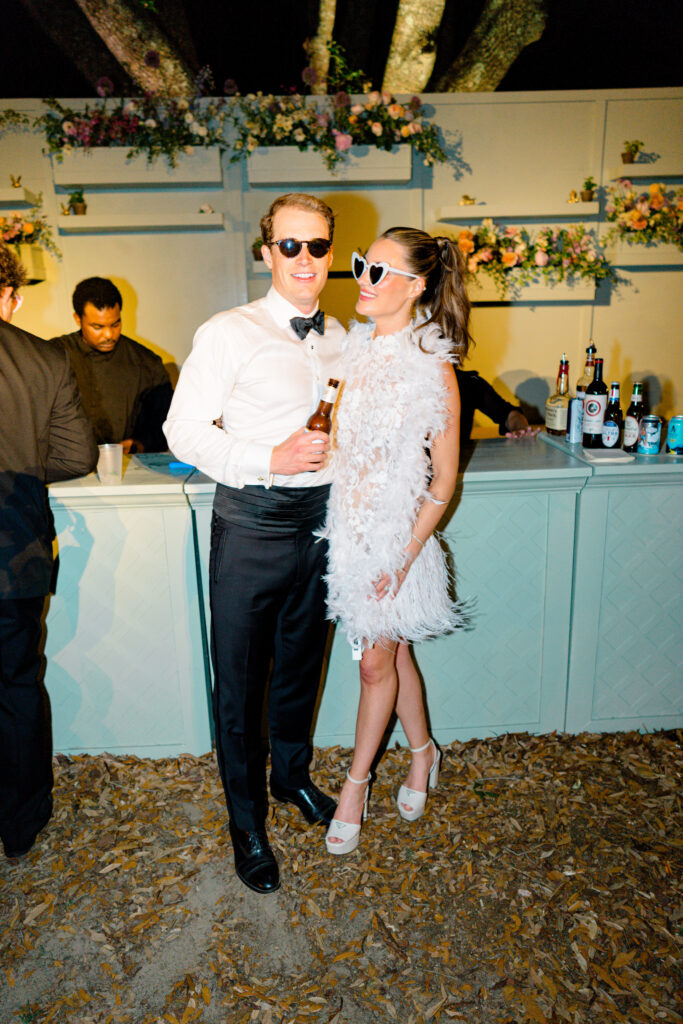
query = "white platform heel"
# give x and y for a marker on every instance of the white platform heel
(347, 834)
(412, 798)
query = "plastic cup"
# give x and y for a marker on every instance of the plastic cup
(110, 463)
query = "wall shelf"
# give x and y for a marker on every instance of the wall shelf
(658, 255)
(110, 167)
(120, 223)
(17, 197)
(483, 290)
(362, 165)
(529, 211)
(648, 172)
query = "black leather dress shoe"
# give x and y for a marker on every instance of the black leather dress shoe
(255, 862)
(316, 806)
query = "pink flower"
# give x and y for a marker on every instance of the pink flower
(541, 259)
(373, 100)
(415, 127)
(395, 110)
(342, 141)
(357, 108)
(376, 128)
(322, 120)
(387, 98)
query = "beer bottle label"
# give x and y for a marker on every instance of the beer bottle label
(631, 430)
(330, 396)
(594, 413)
(610, 435)
(556, 417)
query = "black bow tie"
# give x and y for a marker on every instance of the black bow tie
(301, 325)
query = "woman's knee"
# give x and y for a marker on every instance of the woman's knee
(377, 666)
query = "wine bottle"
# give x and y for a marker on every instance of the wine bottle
(594, 407)
(321, 419)
(634, 415)
(557, 404)
(611, 426)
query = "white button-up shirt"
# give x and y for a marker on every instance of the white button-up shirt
(248, 367)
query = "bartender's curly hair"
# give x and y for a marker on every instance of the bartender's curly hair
(12, 270)
(100, 291)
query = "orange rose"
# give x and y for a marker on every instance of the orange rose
(638, 222)
(656, 200)
(28, 228)
(465, 245)
(509, 259)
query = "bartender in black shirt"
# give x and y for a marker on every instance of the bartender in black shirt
(125, 388)
(476, 393)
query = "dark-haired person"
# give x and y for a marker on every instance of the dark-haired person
(44, 436)
(125, 388)
(260, 370)
(388, 583)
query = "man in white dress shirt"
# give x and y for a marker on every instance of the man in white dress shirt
(261, 369)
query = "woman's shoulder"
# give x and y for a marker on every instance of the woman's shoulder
(432, 343)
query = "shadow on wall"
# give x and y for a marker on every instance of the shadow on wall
(529, 392)
(129, 319)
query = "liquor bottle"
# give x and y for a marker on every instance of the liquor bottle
(587, 375)
(557, 404)
(634, 415)
(321, 419)
(611, 426)
(594, 407)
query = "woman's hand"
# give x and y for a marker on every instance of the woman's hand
(383, 586)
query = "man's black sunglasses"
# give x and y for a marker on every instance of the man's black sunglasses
(291, 247)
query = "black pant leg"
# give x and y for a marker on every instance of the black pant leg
(25, 749)
(250, 573)
(300, 641)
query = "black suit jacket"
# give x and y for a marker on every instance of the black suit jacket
(477, 393)
(44, 436)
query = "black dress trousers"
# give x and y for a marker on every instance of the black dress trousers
(267, 601)
(25, 741)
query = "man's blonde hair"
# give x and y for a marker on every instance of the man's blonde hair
(301, 201)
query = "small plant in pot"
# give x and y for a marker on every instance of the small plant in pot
(256, 248)
(588, 190)
(77, 203)
(631, 150)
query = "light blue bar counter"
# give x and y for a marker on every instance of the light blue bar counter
(574, 573)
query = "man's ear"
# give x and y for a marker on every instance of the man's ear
(77, 319)
(267, 256)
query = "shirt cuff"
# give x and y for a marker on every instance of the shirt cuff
(255, 468)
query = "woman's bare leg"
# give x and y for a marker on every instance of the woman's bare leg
(411, 714)
(378, 686)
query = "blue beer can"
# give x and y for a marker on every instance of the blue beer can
(650, 435)
(574, 433)
(674, 438)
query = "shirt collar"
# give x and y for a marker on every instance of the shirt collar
(281, 309)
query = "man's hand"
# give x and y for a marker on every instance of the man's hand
(303, 451)
(517, 425)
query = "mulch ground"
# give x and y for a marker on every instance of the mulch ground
(542, 885)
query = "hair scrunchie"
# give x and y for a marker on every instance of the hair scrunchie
(444, 245)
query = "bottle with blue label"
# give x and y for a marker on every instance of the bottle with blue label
(611, 425)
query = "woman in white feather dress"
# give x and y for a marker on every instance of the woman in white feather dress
(396, 462)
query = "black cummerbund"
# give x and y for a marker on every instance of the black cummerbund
(273, 509)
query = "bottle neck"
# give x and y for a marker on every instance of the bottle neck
(563, 382)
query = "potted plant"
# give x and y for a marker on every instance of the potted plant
(588, 189)
(631, 150)
(77, 203)
(256, 248)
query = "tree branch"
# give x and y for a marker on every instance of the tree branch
(133, 36)
(504, 29)
(413, 45)
(316, 48)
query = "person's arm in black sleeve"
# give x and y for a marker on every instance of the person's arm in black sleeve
(71, 450)
(154, 407)
(510, 419)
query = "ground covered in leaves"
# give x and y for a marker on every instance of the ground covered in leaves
(542, 885)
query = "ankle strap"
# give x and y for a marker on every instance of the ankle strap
(358, 782)
(418, 750)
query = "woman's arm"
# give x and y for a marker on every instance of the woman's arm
(445, 453)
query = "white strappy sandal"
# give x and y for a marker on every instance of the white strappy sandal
(347, 834)
(412, 798)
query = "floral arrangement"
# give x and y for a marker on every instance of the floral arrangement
(152, 124)
(645, 218)
(28, 229)
(513, 258)
(333, 123)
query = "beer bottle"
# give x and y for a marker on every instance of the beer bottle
(557, 404)
(321, 419)
(594, 408)
(611, 427)
(634, 415)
